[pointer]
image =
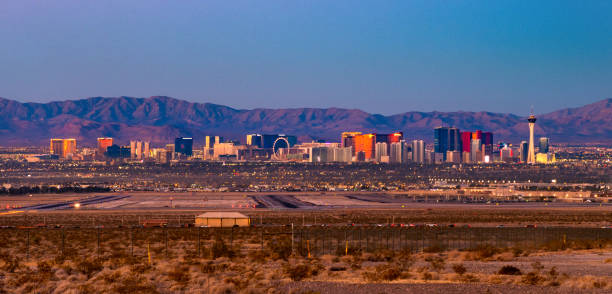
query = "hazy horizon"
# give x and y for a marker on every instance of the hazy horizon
(306, 107)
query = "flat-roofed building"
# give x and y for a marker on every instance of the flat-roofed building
(221, 219)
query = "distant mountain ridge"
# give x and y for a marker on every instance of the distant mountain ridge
(160, 119)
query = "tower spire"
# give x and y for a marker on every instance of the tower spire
(531, 153)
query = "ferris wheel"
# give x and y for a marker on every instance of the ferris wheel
(280, 143)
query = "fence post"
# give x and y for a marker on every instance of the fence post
(291, 238)
(98, 238)
(232, 237)
(28, 244)
(166, 240)
(63, 241)
(132, 241)
(262, 233)
(199, 242)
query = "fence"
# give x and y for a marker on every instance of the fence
(306, 241)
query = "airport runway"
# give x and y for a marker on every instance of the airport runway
(70, 204)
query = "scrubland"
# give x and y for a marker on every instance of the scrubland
(238, 263)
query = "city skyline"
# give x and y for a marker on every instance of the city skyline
(157, 119)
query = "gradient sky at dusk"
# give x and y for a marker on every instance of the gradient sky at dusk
(380, 56)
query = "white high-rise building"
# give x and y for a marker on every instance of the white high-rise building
(476, 152)
(397, 152)
(380, 151)
(418, 151)
(531, 153)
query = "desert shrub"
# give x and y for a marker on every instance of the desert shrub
(180, 274)
(509, 270)
(469, 278)
(208, 268)
(299, 272)
(381, 255)
(437, 263)
(220, 249)
(599, 284)
(459, 269)
(532, 278)
(405, 259)
(89, 267)
(383, 272)
(10, 265)
(553, 272)
(355, 262)
(141, 268)
(280, 248)
(258, 256)
(484, 252)
(426, 276)
(517, 251)
(134, 284)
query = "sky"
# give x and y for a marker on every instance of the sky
(382, 56)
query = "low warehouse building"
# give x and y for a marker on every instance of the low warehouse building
(222, 219)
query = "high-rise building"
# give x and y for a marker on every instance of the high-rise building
(418, 151)
(380, 150)
(487, 140)
(211, 141)
(477, 135)
(224, 150)
(398, 152)
(531, 153)
(70, 146)
(523, 150)
(57, 147)
(365, 143)
(348, 139)
(138, 150)
(441, 138)
(183, 146)
(453, 156)
(543, 145)
(476, 152)
(133, 149)
(343, 154)
(466, 141)
(254, 140)
(446, 139)
(103, 144)
(147, 150)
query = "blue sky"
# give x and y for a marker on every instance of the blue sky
(380, 56)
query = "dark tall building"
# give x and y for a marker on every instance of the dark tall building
(183, 146)
(114, 151)
(454, 139)
(254, 140)
(446, 139)
(487, 138)
(543, 145)
(524, 149)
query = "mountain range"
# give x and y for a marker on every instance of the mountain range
(160, 119)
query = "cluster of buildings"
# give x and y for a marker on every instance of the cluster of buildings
(450, 145)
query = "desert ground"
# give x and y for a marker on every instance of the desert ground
(302, 243)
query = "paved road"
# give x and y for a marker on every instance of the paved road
(70, 204)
